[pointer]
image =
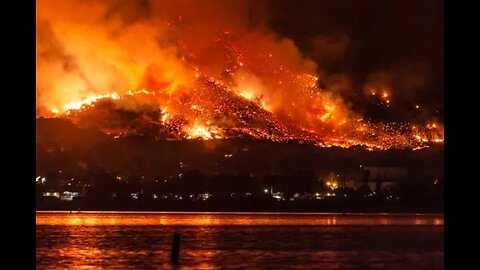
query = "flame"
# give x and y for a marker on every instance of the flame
(246, 94)
(88, 101)
(179, 71)
(337, 131)
(202, 132)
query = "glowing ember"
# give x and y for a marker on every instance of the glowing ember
(202, 132)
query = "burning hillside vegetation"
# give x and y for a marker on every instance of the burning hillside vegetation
(195, 73)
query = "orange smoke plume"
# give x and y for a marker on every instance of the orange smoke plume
(193, 69)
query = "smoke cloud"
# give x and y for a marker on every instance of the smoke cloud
(98, 47)
(89, 48)
(187, 55)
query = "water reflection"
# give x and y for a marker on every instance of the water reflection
(106, 240)
(220, 219)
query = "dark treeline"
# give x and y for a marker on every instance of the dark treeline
(194, 191)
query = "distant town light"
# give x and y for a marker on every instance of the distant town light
(265, 190)
(51, 194)
(68, 196)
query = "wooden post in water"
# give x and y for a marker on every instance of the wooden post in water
(175, 248)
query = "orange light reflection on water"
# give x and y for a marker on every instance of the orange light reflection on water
(231, 219)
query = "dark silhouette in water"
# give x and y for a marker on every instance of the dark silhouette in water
(175, 248)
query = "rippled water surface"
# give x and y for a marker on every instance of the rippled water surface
(114, 240)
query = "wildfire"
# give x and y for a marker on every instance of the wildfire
(245, 113)
(202, 132)
(328, 113)
(88, 101)
(247, 95)
(176, 83)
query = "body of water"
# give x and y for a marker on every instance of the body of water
(141, 240)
